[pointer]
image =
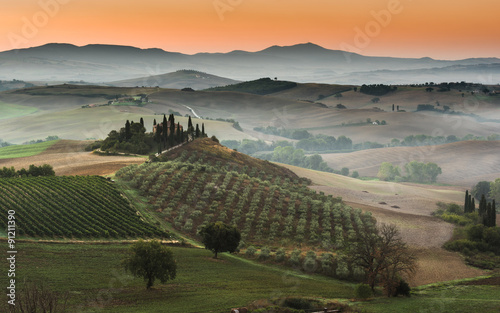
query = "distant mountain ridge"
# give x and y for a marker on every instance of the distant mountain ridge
(301, 63)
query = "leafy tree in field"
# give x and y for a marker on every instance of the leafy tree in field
(495, 189)
(344, 171)
(219, 237)
(388, 172)
(432, 170)
(421, 172)
(355, 174)
(150, 260)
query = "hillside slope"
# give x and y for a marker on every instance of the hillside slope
(204, 182)
(463, 163)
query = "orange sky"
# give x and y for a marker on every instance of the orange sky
(445, 29)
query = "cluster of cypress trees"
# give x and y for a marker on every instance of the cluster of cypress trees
(486, 211)
(169, 134)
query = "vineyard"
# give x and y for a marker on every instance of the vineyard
(71, 206)
(198, 187)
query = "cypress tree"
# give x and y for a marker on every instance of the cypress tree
(171, 136)
(197, 131)
(154, 122)
(190, 129)
(466, 203)
(141, 121)
(473, 205)
(127, 131)
(203, 130)
(398, 108)
(493, 214)
(393, 108)
(178, 133)
(487, 216)
(482, 206)
(164, 128)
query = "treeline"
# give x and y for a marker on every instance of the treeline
(281, 151)
(292, 156)
(308, 141)
(320, 142)
(377, 89)
(425, 140)
(4, 143)
(32, 171)
(48, 138)
(417, 172)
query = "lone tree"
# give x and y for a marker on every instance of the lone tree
(150, 260)
(219, 237)
(382, 254)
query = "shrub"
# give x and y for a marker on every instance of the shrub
(363, 291)
(251, 251)
(280, 255)
(297, 303)
(264, 253)
(295, 257)
(402, 289)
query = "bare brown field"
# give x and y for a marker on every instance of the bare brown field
(68, 157)
(437, 265)
(423, 233)
(463, 163)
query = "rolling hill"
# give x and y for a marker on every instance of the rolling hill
(205, 182)
(177, 80)
(463, 163)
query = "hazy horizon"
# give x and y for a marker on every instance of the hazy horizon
(448, 30)
(252, 51)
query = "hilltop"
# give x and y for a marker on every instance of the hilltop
(177, 80)
(215, 153)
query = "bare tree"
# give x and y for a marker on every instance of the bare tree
(37, 297)
(382, 254)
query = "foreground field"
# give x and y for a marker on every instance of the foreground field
(68, 157)
(95, 281)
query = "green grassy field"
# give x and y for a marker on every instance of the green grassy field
(442, 298)
(93, 276)
(14, 110)
(20, 151)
